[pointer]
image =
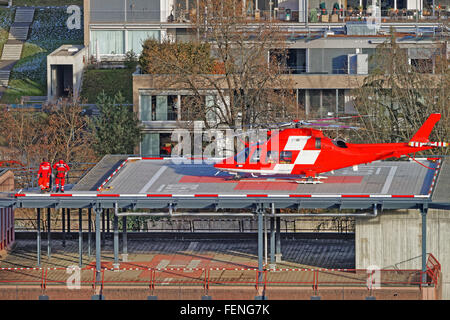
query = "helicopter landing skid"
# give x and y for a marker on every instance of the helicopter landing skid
(310, 180)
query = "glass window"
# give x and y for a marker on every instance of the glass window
(146, 108)
(328, 103)
(301, 101)
(272, 156)
(314, 101)
(285, 157)
(166, 144)
(150, 144)
(211, 116)
(109, 42)
(160, 108)
(172, 103)
(137, 37)
(341, 101)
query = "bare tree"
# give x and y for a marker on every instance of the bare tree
(236, 60)
(59, 131)
(399, 96)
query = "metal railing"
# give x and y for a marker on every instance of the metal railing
(131, 274)
(26, 177)
(279, 15)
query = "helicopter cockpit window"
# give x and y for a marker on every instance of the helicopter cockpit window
(340, 143)
(242, 156)
(286, 157)
(272, 156)
(256, 155)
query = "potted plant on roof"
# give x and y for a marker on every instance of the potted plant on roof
(323, 12)
(334, 15)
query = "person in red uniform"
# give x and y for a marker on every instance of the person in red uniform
(61, 172)
(44, 173)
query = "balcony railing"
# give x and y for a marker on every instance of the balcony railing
(314, 15)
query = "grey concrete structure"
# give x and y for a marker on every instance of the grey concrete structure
(65, 71)
(394, 240)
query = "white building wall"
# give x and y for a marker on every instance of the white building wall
(394, 240)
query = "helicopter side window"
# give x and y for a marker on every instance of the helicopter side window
(256, 155)
(318, 143)
(286, 157)
(242, 156)
(272, 156)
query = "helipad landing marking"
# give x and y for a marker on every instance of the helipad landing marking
(389, 179)
(153, 179)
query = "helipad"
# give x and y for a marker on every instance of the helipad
(163, 177)
(136, 182)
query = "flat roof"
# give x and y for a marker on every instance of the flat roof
(165, 176)
(138, 182)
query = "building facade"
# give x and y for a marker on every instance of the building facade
(329, 52)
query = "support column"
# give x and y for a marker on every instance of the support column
(424, 212)
(124, 240)
(49, 233)
(259, 212)
(63, 220)
(272, 236)
(89, 230)
(80, 237)
(278, 240)
(38, 240)
(116, 240)
(98, 248)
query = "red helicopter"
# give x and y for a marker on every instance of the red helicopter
(307, 152)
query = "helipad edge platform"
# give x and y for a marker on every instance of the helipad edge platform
(164, 182)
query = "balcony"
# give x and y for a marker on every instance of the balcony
(277, 15)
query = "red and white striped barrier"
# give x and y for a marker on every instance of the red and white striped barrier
(112, 175)
(433, 182)
(157, 195)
